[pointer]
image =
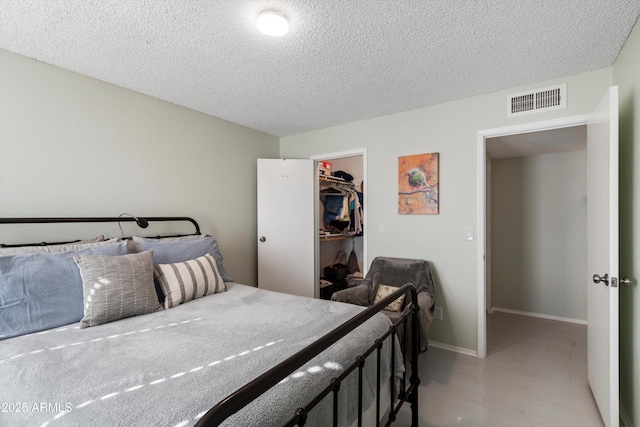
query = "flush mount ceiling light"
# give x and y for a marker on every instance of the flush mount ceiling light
(272, 23)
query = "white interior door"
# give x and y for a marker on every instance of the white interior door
(602, 256)
(286, 226)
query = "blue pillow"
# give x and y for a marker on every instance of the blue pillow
(183, 249)
(43, 291)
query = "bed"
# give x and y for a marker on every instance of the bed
(234, 356)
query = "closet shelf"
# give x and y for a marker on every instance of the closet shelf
(332, 237)
(336, 181)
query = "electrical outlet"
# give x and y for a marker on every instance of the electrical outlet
(438, 313)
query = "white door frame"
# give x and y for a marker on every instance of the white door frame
(482, 205)
(316, 191)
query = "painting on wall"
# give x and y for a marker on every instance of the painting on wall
(418, 184)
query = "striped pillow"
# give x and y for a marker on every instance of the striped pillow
(184, 281)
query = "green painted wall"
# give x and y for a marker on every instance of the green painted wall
(451, 130)
(539, 234)
(74, 146)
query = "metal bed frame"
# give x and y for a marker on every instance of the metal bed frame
(142, 222)
(408, 390)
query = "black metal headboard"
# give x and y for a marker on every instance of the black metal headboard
(141, 221)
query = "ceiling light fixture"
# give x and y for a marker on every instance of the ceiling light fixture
(272, 23)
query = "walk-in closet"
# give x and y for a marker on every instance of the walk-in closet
(340, 223)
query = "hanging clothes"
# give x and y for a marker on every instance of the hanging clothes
(333, 207)
(344, 214)
(356, 214)
(343, 208)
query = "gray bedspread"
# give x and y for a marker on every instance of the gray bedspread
(168, 368)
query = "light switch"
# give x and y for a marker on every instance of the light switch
(381, 230)
(468, 233)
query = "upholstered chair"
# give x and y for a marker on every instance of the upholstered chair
(396, 272)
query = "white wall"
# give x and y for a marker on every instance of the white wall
(539, 234)
(74, 146)
(451, 130)
(626, 74)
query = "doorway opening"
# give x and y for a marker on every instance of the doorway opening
(536, 235)
(346, 178)
(496, 143)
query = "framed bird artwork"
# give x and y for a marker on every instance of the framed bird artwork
(418, 184)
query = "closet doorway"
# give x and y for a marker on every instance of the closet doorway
(335, 237)
(288, 239)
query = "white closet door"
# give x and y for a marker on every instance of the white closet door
(286, 226)
(602, 256)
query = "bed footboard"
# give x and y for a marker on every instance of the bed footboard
(408, 392)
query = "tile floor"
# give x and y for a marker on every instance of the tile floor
(535, 375)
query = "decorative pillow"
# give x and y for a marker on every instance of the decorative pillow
(184, 281)
(385, 291)
(96, 239)
(180, 249)
(43, 291)
(66, 247)
(116, 287)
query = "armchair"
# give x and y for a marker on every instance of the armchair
(396, 272)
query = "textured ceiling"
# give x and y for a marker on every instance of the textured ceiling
(343, 60)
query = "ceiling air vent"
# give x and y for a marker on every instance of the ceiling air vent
(537, 101)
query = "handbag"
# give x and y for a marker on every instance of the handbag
(352, 264)
(339, 270)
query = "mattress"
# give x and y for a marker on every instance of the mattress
(168, 368)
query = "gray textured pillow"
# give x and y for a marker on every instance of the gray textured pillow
(116, 287)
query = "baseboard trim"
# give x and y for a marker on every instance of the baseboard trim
(541, 316)
(460, 350)
(624, 417)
